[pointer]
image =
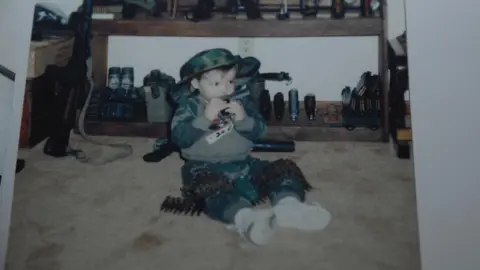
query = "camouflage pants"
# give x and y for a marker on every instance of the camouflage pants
(223, 207)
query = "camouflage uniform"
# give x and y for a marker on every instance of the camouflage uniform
(230, 157)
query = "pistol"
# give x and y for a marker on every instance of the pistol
(237, 95)
(223, 115)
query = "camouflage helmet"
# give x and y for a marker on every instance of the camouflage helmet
(205, 61)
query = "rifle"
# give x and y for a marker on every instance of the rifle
(71, 85)
(72, 94)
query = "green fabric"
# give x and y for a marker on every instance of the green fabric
(224, 206)
(248, 69)
(189, 128)
(207, 60)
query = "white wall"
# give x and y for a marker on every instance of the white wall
(15, 31)
(318, 65)
(443, 60)
(9, 53)
(14, 47)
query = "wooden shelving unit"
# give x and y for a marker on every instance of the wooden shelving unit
(241, 28)
(220, 27)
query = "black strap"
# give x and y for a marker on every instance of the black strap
(7, 73)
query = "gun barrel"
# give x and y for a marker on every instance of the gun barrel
(238, 95)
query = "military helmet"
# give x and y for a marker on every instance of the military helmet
(205, 61)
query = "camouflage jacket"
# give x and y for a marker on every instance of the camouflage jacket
(190, 127)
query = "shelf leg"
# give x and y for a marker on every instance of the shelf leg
(99, 46)
(383, 73)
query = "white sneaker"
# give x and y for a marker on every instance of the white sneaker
(291, 213)
(257, 226)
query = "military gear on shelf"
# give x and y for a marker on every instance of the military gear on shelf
(251, 8)
(237, 95)
(337, 9)
(293, 104)
(153, 8)
(202, 11)
(50, 21)
(309, 10)
(257, 89)
(276, 76)
(346, 96)
(366, 9)
(114, 74)
(127, 79)
(368, 84)
(283, 14)
(310, 106)
(279, 106)
(265, 105)
(361, 106)
(262, 78)
(157, 86)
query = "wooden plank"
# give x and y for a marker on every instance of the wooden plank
(323, 134)
(306, 133)
(383, 71)
(126, 129)
(240, 28)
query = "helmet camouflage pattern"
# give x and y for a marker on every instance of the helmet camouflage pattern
(205, 61)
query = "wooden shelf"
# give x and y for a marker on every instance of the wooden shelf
(126, 129)
(240, 28)
(321, 134)
(301, 130)
(226, 27)
(303, 121)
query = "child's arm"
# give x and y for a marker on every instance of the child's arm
(253, 126)
(187, 128)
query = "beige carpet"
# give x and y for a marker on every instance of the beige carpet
(71, 216)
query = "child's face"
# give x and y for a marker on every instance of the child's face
(216, 83)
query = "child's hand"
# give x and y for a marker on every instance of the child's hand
(237, 109)
(213, 108)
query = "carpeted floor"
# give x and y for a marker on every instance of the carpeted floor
(69, 216)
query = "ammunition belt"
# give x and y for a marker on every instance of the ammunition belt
(210, 184)
(205, 185)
